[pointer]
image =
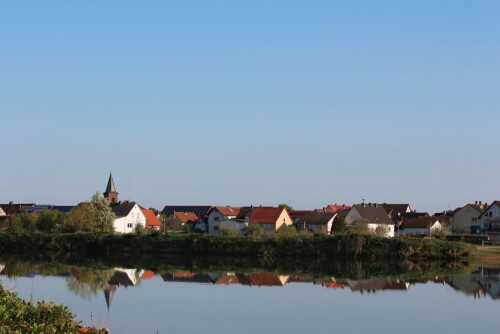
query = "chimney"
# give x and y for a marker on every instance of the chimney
(370, 205)
(10, 203)
(363, 205)
(479, 202)
(375, 204)
(476, 203)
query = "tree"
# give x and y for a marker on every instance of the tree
(253, 229)
(338, 224)
(101, 213)
(382, 231)
(287, 230)
(170, 223)
(286, 206)
(226, 230)
(79, 219)
(359, 226)
(23, 222)
(139, 229)
(50, 221)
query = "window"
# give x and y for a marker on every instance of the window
(129, 225)
(216, 218)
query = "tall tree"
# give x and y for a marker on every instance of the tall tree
(286, 206)
(101, 213)
(50, 221)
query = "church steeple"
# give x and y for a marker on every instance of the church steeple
(110, 192)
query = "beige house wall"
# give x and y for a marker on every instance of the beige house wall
(462, 219)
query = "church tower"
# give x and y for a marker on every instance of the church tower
(110, 192)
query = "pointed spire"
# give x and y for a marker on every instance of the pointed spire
(108, 294)
(111, 194)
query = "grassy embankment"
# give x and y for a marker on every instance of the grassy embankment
(301, 246)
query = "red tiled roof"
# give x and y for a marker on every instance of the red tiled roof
(228, 279)
(335, 208)
(186, 217)
(228, 210)
(420, 222)
(266, 215)
(183, 274)
(298, 213)
(265, 279)
(148, 274)
(151, 219)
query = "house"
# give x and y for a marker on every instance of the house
(421, 225)
(267, 279)
(332, 208)
(466, 219)
(236, 224)
(220, 213)
(395, 211)
(12, 208)
(296, 214)
(199, 210)
(489, 220)
(186, 218)
(374, 214)
(128, 216)
(271, 219)
(316, 222)
(152, 222)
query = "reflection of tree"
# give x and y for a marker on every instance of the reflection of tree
(85, 282)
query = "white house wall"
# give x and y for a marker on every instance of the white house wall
(214, 219)
(390, 227)
(127, 224)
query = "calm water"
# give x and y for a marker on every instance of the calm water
(129, 300)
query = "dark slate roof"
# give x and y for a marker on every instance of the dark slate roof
(394, 209)
(13, 208)
(408, 215)
(343, 212)
(62, 208)
(122, 209)
(110, 188)
(374, 213)
(315, 218)
(245, 212)
(201, 210)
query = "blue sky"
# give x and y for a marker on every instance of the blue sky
(260, 102)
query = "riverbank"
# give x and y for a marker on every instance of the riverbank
(354, 246)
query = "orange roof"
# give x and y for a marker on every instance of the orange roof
(186, 217)
(148, 274)
(266, 215)
(228, 279)
(151, 219)
(183, 274)
(335, 208)
(228, 210)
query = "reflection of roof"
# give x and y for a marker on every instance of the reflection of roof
(186, 277)
(124, 277)
(266, 215)
(377, 284)
(267, 279)
(148, 274)
(199, 210)
(228, 279)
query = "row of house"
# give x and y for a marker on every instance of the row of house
(397, 219)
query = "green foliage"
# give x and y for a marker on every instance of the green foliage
(186, 228)
(18, 316)
(23, 222)
(287, 230)
(227, 230)
(79, 220)
(170, 223)
(140, 229)
(359, 226)
(50, 221)
(286, 206)
(101, 213)
(382, 231)
(253, 230)
(339, 224)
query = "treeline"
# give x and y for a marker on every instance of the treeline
(348, 245)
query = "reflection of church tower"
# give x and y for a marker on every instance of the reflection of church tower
(110, 192)
(108, 294)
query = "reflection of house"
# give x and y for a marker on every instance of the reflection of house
(465, 219)
(267, 279)
(218, 214)
(186, 277)
(128, 216)
(374, 214)
(125, 277)
(316, 222)
(377, 284)
(489, 220)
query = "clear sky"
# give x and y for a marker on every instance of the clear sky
(259, 102)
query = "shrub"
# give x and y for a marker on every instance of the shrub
(227, 230)
(382, 231)
(359, 226)
(338, 225)
(253, 229)
(287, 230)
(139, 229)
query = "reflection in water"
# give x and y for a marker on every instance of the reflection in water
(87, 282)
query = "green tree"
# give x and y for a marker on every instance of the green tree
(101, 213)
(253, 229)
(170, 223)
(226, 230)
(140, 229)
(286, 206)
(360, 226)
(50, 221)
(338, 225)
(382, 231)
(23, 222)
(287, 230)
(79, 219)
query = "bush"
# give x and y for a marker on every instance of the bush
(359, 226)
(253, 229)
(338, 225)
(227, 230)
(139, 229)
(287, 230)
(382, 231)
